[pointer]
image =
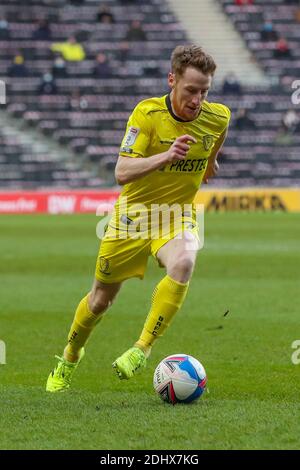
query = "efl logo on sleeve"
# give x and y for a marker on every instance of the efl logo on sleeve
(131, 136)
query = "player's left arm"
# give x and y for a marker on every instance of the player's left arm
(213, 165)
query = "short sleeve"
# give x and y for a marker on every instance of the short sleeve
(137, 135)
(228, 115)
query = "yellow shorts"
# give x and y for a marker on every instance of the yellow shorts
(123, 258)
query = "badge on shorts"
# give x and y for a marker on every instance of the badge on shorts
(131, 136)
(104, 265)
(208, 141)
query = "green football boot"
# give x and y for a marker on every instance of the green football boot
(127, 364)
(60, 378)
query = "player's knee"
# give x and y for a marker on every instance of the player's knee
(99, 303)
(182, 268)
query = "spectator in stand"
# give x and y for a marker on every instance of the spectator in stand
(244, 2)
(102, 67)
(136, 32)
(268, 33)
(48, 85)
(59, 67)
(77, 102)
(283, 138)
(282, 50)
(231, 85)
(290, 125)
(290, 121)
(71, 50)
(105, 15)
(43, 31)
(18, 67)
(243, 121)
(123, 52)
(4, 29)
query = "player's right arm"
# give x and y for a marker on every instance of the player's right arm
(129, 169)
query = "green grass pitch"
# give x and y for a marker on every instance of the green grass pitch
(249, 266)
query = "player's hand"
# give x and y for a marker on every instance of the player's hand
(211, 170)
(180, 148)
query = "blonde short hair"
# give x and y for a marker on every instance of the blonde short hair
(193, 56)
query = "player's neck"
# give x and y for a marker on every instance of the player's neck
(170, 106)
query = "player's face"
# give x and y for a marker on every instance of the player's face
(188, 92)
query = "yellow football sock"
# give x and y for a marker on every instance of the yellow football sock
(167, 298)
(83, 324)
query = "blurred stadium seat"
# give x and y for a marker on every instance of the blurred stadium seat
(91, 123)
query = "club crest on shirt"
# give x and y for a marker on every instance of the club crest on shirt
(131, 136)
(208, 141)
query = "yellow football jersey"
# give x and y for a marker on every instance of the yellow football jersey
(151, 129)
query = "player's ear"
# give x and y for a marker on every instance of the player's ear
(171, 80)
